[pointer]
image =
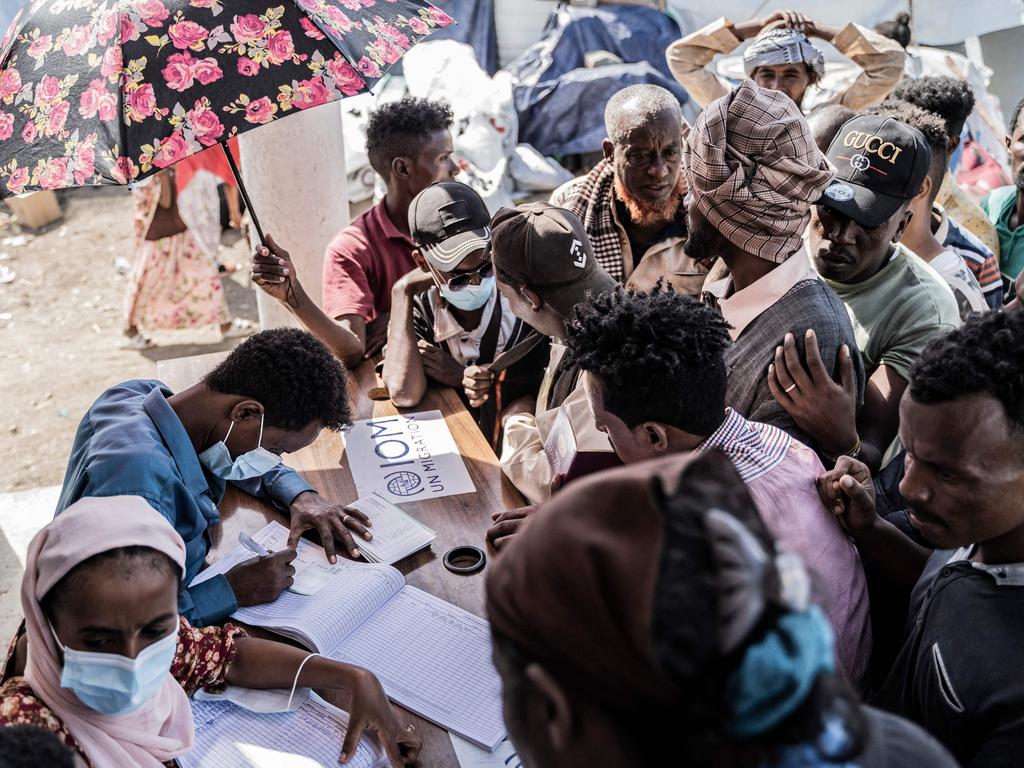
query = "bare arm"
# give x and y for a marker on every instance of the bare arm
(404, 375)
(880, 59)
(880, 417)
(274, 272)
(267, 664)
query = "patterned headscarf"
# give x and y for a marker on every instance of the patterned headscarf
(754, 170)
(783, 46)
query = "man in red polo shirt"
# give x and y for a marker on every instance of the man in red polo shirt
(409, 143)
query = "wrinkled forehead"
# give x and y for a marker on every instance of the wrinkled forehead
(642, 131)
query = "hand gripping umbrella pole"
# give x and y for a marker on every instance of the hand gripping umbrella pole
(291, 298)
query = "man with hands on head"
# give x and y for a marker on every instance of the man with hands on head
(782, 58)
(448, 320)
(271, 396)
(962, 424)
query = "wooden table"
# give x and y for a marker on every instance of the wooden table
(457, 520)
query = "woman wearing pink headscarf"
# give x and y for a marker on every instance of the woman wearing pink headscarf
(107, 664)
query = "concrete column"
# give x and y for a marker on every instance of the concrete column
(294, 171)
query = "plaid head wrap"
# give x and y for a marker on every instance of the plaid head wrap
(754, 170)
(782, 45)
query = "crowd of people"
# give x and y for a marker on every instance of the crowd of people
(799, 337)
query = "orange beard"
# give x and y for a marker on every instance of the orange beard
(645, 214)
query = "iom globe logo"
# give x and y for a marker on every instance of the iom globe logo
(404, 483)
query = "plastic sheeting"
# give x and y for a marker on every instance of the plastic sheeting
(475, 27)
(560, 103)
(566, 116)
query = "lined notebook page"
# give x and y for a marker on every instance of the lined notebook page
(310, 737)
(435, 659)
(323, 619)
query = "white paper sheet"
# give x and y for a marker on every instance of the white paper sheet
(435, 659)
(310, 737)
(408, 457)
(396, 535)
(471, 756)
(313, 571)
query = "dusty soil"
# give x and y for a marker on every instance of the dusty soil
(60, 326)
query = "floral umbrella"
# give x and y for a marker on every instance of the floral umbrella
(96, 92)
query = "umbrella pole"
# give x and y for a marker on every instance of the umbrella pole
(291, 299)
(245, 195)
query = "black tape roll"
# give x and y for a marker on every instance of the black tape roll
(464, 559)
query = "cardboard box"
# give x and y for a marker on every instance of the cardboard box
(35, 210)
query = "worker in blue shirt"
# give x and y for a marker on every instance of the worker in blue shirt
(271, 396)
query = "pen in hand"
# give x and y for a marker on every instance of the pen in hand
(252, 545)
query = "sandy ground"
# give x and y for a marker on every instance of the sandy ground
(60, 326)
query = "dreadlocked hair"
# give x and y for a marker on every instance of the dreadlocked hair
(984, 356)
(658, 355)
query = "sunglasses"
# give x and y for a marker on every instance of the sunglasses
(463, 280)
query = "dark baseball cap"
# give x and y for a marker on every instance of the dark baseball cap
(880, 163)
(448, 221)
(547, 249)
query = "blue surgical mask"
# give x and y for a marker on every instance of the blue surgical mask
(472, 296)
(254, 463)
(116, 685)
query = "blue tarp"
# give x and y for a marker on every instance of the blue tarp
(566, 116)
(559, 102)
(475, 28)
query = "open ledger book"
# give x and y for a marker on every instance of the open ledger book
(432, 657)
(228, 736)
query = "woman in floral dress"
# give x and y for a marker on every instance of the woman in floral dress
(174, 284)
(101, 589)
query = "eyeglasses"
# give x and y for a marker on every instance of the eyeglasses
(463, 280)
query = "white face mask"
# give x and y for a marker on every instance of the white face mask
(116, 685)
(254, 463)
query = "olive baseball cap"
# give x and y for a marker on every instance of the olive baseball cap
(448, 221)
(880, 163)
(547, 249)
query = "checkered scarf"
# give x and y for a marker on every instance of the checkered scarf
(783, 46)
(592, 202)
(754, 170)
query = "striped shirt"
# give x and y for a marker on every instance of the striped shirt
(780, 473)
(979, 257)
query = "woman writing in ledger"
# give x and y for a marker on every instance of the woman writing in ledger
(106, 662)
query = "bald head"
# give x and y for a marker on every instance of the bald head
(638, 106)
(825, 123)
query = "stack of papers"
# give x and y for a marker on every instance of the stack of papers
(396, 535)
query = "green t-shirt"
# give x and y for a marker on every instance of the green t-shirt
(897, 311)
(998, 206)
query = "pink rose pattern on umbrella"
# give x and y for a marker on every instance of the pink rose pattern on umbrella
(172, 77)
